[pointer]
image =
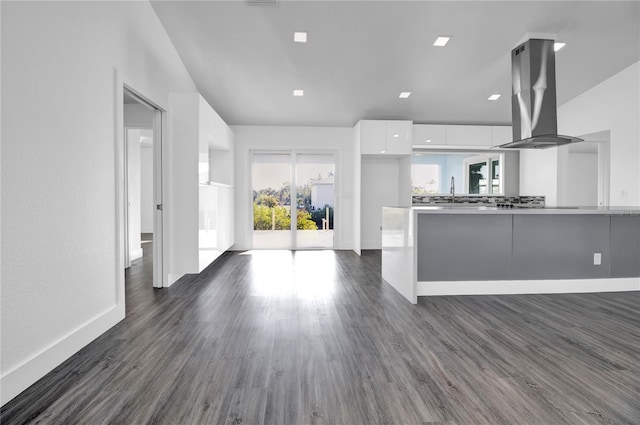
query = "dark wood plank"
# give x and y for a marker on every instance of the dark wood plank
(316, 337)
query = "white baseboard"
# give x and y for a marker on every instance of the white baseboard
(134, 255)
(504, 287)
(369, 245)
(28, 372)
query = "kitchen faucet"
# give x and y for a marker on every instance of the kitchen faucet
(452, 191)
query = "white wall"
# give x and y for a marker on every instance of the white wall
(59, 61)
(582, 179)
(511, 173)
(336, 139)
(614, 106)
(146, 189)
(539, 174)
(380, 188)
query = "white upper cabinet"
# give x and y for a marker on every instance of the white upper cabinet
(501, 135)
(221, 158)
(441, 135)
(381, 137)
(373, 137)
(468, 135)
(399, 136)
(206, 122)
(429, 135)
(213, 130)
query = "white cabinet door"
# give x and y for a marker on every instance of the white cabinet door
(399, 136)
(205, 138)
(225, 218)
(468, 135)
(373, 137)
(429, 135)
(501, 135)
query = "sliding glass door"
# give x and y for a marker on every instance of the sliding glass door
(315, 200)
(308, 179)
(271, 175)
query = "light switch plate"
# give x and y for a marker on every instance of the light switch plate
(597, 259)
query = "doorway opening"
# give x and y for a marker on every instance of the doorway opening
(293, 200)
(143, 242)
(583, 171)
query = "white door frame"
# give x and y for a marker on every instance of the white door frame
(602, 140)
(486, 159)
(159, 171)
(294, 189)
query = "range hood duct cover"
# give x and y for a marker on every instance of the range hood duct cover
(533, 97)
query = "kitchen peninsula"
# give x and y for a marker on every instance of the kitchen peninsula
(473, 250)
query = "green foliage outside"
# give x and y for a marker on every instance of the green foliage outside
(263, 216)
(271, 209)
(305, 222)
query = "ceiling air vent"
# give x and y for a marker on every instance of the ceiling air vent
(262, 2)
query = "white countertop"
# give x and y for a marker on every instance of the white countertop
(475, 209)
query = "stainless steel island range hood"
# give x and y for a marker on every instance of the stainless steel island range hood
(533, 100)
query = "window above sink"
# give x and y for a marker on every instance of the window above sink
(474, 173)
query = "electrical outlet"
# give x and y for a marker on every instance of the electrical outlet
(597, 259)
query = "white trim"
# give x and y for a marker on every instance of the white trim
(159, 225)
(28, 372)
(504, 287)
(120, 183)
(161, 220)
(165, 150)
(487, 159)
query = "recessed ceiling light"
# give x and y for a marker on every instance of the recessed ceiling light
(494, 97)
(298, 92)
(383, 151)
(441, 41)
(428, 141)
(557, 46)
(404, 94)
(395, 136)
(300, 37)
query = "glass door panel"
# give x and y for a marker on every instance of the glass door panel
(495, 176)
(315, 200)
(478, 178)
(271, 184)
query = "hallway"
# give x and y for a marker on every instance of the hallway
(316, 337)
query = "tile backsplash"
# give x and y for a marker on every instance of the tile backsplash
(534, 201)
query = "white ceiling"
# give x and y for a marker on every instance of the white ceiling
(361, 54)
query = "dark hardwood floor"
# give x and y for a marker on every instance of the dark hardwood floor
(316, 337)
